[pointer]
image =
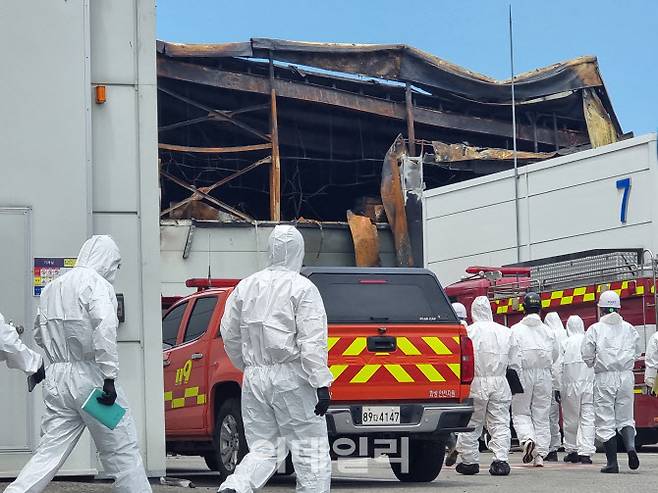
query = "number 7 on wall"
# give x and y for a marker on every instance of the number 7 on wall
(625, 185)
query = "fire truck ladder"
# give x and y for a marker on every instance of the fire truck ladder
(602, 266)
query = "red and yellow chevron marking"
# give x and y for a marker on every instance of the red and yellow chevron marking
(585, 294)
(191, 397)
(396, 373)
(408, 346)
(417, 359)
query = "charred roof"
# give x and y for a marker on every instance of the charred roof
(337, 109)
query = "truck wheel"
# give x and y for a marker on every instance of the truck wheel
(229, 443)
(423, 464)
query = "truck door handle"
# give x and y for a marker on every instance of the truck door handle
(196, 356)
(166, 362)
(382, 344)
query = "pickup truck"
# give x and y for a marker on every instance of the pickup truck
(402, 366)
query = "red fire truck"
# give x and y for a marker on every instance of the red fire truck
(570, 285)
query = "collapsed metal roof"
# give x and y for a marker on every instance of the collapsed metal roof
(327, 113)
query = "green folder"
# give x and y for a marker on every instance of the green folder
(110, 416)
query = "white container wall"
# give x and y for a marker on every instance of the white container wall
(72, 168)
(234, 251)
(567, 204)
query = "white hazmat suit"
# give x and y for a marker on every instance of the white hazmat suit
(539, 351)
(14, 352)
(611, 346)
(552, 319)
(577, 392)
(460, 311)
(494, 354)
(275, 329)
(77, 328)
(651, 361)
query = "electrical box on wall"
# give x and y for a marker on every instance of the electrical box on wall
(121, 309)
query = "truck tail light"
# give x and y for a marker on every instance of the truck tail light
(467, 360)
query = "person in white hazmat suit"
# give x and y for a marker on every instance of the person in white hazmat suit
(451, 441)
(460, 311)
(495, 353)
(651, 363)
(77, 328)
(611, 347)
(18, 355)
(552, 319)
(577, 391)
(539, 351)
(275, 330)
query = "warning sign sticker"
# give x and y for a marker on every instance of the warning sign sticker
(47, 269)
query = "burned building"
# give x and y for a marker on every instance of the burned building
(270, 130)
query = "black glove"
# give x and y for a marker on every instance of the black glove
(36, 378)
(324, 399)
(109, 393)
(558, 397)
(514, 381)
(40, 375)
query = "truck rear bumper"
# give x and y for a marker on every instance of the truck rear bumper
(420, 418)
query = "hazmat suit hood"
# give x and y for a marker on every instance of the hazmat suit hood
(285, 249)
(554, 322)
(101, 254)
(532, 320)
(481, 310)
(575, 326)
(612, 319)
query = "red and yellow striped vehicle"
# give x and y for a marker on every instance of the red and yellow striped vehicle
(402, 366)
(571, 285)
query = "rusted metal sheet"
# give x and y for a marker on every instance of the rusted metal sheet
(366, 240)
(199, 74)
(450, 153)
(214, 150)
(600, 127)
(371, 207)
(204, 50)
(393, 198)
(406, 64)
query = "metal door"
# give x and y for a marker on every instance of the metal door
(16, 431)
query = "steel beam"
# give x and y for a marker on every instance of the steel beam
(223, 115)
(206, 190)
(199, 74)
(275, 166)
(214, 150)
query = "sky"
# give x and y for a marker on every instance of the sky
(471, 33)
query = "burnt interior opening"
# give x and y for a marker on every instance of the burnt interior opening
(330, 153)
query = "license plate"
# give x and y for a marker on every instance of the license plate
(379, 415)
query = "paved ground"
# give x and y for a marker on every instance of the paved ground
(374, 476)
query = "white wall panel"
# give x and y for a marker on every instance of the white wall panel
(566, 205)
(236, 251)
(115, 151)
(63, 154)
